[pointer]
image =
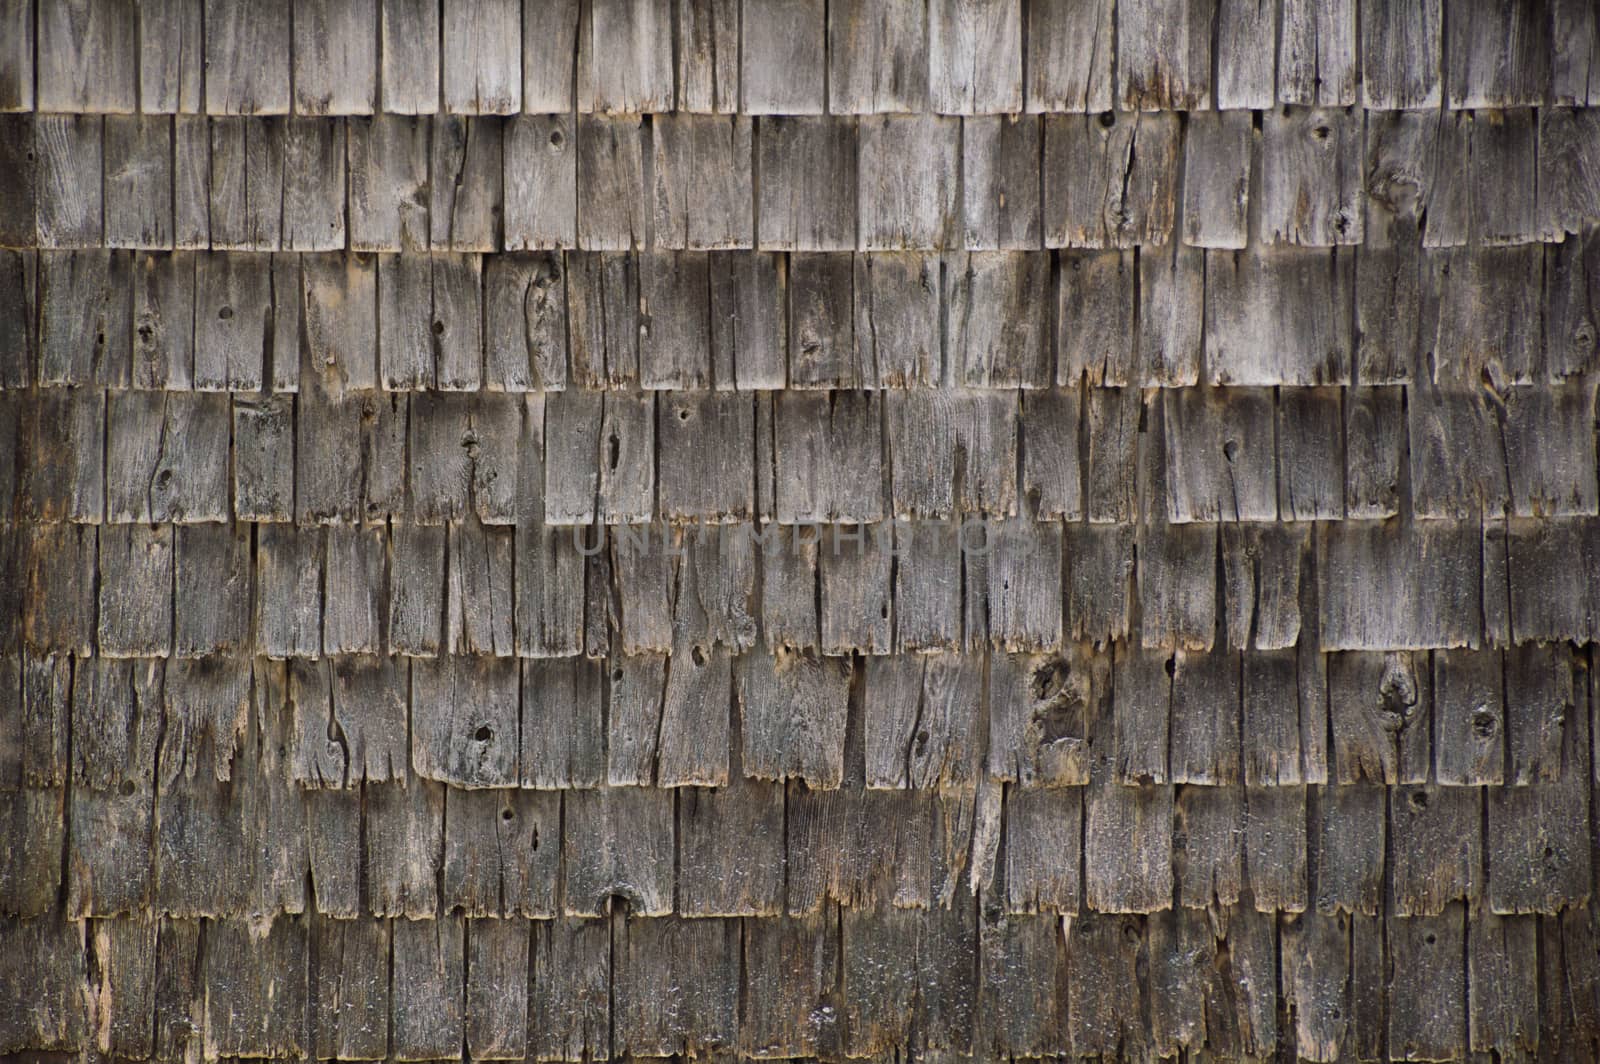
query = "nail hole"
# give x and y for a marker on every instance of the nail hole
(438, 328)
(556, 138)
(1430, 938)
(1108, 119)
(505, 814)
(482, 734)
(225, 313)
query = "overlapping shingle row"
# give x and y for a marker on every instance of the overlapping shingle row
(1297, 177)
(321, 57)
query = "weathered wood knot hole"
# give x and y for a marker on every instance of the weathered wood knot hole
(1230, 449)
(616, 676)
(1549, 853)
(1419, 800)
(1321, 132)
(163, 478)
(1430, 938)
(922, 742)
(146, 333)
(505, 814)
(225, 313)
(438, 327)
(699, 656)
(1172, 667)
(483, 734)
(683, 415)
(556, 139)
(127, 788)
(1483, 723)
(1108, 119)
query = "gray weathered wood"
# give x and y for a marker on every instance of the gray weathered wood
(1379, 708)
(624, 57)
(562, 734)
(549, 56)
(1317, 59)
(676, 984)
(352, 1003)
(404, 836)
(975, 56)
(1497, 57)
(1437, 846)
(313, 194)
(410, 50)
(16, 59)
(1164, 56)
(617, 843)
(1070, 47)
(465, 212)
(1001, 182)
(1362, 564)
(427, 976)
(877, 58)
(793, 710)
(1400, 55)
(233, 316)
(502, 853)
(70, 180)
(688, 425)
(783, 67)
(1311, 454)
(1109, 181)
(806, 198)
(1245, 66)
(569, 1008)
(1095, 317)
(525, 323)
(191, 180)
(388, 196)
(908, 196)
(168, 457)
(996, 319)
(1219, 152)
(135, 591)
(87, 57)
(464, 715)
(481, 57)
(603, 319)
(1219, 455)
(702, 191)
(674, 321)
(247, 57)
(1348, 840)
(138, 182)
(1169, 337)
(497, 989)
(212, 597)
(749, 324)
(1427, 1001)
(830, 464)
(163, 321)
(708, 56)
(1311, 188)
(335, 57)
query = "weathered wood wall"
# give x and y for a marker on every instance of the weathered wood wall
(483, 489)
